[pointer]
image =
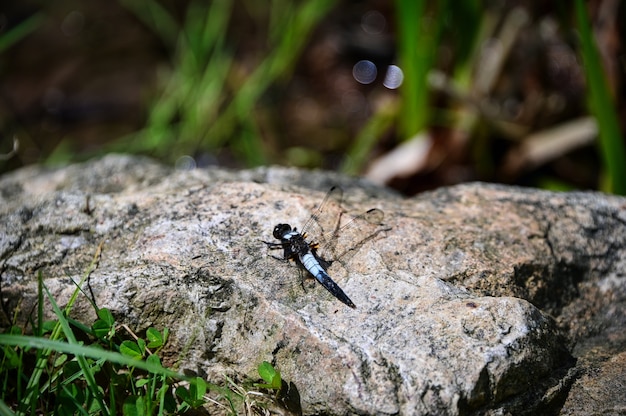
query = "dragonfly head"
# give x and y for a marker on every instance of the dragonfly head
(281, 230)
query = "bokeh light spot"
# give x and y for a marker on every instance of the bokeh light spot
(393, 77)
(373, 22)
(73, 23)
(185, 162)
(364, 72)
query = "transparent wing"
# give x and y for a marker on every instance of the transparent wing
(336, 238)
(246, 263)
(348, 238)
(325, 219)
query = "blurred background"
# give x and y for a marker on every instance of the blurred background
(408, 93)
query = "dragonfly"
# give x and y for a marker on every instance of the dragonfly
(307, 252)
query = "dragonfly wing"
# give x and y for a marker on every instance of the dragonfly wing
(347, 239)
(324, 219)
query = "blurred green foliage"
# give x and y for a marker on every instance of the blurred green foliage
(202, 104)
(215, 95)
(602, 106)
(11, 37)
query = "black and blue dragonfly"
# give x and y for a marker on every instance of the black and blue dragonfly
(330, 241)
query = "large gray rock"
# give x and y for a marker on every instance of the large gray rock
(470, 299)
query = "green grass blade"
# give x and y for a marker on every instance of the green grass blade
(39, 330)
(296, 28)
(5, 410)
(359, 153)
(82, 362)
(602, 105)
(408, 13)
(32, 387)
(419, 31)
(77, 405)
(86, 351)
(14, 35)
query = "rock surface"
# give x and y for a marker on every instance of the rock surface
(479, 299)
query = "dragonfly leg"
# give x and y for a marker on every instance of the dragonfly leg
(273, 246)
(304, 278)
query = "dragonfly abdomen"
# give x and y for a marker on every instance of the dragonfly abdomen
(313, 266)
(310, 263)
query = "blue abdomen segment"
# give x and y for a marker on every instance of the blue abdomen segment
(310, 262)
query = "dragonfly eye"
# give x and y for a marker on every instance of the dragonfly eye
(280, 230)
